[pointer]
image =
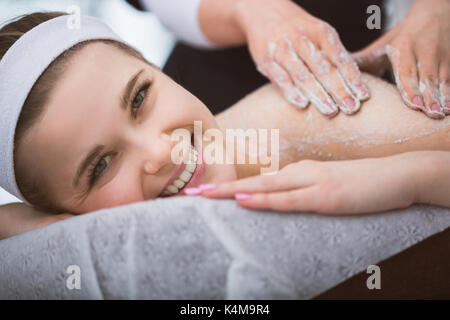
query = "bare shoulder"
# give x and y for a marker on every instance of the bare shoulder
(385, 110)
(384, 125)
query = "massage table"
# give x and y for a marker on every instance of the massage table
(198, 248)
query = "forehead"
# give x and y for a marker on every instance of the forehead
(92, 84)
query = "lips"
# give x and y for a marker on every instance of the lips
(194, 164)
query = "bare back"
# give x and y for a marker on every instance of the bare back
(384, 126)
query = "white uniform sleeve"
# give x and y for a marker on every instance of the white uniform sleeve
(180, 17)
(396, 11)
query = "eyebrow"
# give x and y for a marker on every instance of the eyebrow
(86, 161)
(91, 155)
(126, 95)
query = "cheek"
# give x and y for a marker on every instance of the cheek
(115, 193)
(220, 173)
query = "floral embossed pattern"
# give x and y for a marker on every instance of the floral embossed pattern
(197, 248)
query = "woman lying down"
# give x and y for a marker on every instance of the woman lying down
(90, 127)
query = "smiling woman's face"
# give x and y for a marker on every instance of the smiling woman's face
(126, 110)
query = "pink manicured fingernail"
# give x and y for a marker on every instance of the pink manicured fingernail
(301, 102)
(242, 196)
(332, 110)
(363, 91)
(192, 191)
(418, 100)
(210, 186)
(436, 107)
(447, 105)
(350, 103)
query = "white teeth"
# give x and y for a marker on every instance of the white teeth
(190, 167)
(172, 189)
(179, 183)
(184, 177)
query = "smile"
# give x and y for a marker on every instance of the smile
(179, 182)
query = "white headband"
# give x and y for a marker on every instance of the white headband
(21, 67)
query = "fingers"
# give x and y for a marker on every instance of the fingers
(444, 85)
(428, 56)
(444, 89)
(282, 81)
(285, 57)
(305, 79)
(329, 79)
(262, 183)
(332, 80)
(293, 200)
(404, 67)
(333, 48)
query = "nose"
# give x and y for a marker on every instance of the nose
(154, 156)
(151, 150)
(149, 166)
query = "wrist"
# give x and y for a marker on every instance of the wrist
(244, 11)
(218, 22)
(239, 13)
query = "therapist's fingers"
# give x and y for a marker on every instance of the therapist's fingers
(444, 89)
(444, 83)
(429, 77)
(286, 56)
(327, 75)
(404, 67)
(283, 82)
(333, 48)
(444, 78)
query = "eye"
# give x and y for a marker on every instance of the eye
(139, 98)
(99, 168)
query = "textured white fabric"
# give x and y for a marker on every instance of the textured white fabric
(198, 248)
(23, 64)
(181, 17)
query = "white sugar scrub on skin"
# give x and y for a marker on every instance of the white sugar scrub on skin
(445, 100)
(344, 57)
(291, 93)
(419, 88)
(394, 56)
(313, 90)
(383, 126)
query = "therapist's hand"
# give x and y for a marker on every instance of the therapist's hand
(301, 55)
(418, 48)
(331, 187)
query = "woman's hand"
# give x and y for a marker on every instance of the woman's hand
(334, 187)
(302, 56)
(418, 48)
(17, 218)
